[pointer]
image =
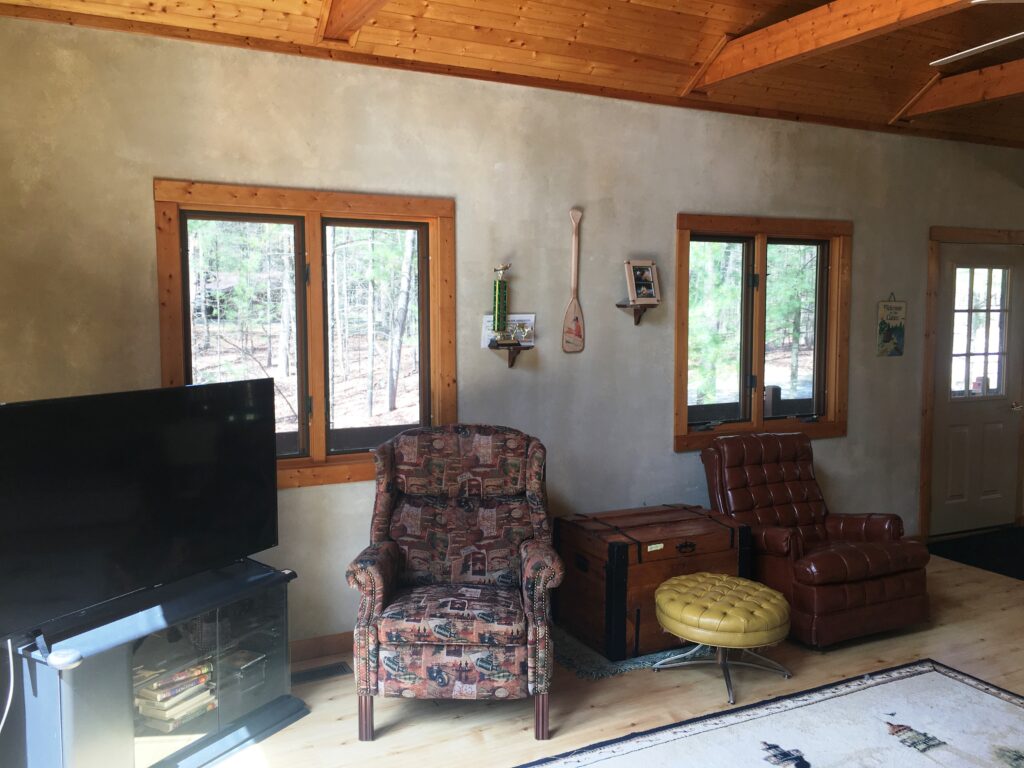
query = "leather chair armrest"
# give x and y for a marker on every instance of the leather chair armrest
(542, 570)
(867, 527)
(374, 573)
(777, 541)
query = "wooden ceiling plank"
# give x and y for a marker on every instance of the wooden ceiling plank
(436, 27)
(742, 13)
(981, 86)
(555, 63)
(839, 23)
(480, 59)
(219, 17)
(548, 21)
(346, 17)
(521, 41)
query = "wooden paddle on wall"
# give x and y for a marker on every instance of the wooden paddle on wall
(572, 324)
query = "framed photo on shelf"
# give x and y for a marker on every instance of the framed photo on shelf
(642, 282)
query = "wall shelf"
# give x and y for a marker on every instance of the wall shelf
(638, 309)
(512, 349)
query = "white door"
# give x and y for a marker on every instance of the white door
(978, 378)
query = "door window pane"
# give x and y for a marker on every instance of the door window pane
(995, 331)
(791, 344)
(963, 288)
(994, 374)
(977, 374)
(243, 318)
(979, 291)
(960, 333)
(373, 329)
(979, 338)
(958, 376)
(998, 288)
(978, 320)
(717, 338)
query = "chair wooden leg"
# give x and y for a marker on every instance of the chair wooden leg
(365, 718)
(540, 716)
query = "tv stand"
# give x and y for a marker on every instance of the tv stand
(181, 675)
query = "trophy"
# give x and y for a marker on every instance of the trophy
(502, 335)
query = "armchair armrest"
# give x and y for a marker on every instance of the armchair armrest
(777, 540)
(542, 570)
(868, 527)
(374, 573)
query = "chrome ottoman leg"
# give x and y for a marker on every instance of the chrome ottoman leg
(722, 656)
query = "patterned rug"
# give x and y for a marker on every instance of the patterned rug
(588, 664)
(920, 714)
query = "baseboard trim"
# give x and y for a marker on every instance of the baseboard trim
(318, 647)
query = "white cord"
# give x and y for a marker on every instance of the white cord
(10, 690)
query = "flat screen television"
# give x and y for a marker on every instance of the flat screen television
(104, 495)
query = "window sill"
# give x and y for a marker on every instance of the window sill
(300, 473)
(695, 441)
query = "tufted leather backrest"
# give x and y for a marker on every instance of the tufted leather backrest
(766, 480)
(459, 500)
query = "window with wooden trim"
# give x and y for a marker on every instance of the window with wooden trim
(762, 327)
(345, 300)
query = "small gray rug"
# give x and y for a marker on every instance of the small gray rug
(588, 664)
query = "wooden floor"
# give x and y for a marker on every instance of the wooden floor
(977, 625)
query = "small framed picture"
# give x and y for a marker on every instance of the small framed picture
(642, 282)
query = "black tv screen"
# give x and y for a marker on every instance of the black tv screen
(107, 494)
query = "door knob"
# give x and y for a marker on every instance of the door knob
(1016, 407)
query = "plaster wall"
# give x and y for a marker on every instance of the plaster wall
(89, 118)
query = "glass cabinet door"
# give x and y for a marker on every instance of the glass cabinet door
(198, 677)
(252, 667)
(174, 685)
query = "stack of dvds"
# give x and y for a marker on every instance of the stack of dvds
(167, 701)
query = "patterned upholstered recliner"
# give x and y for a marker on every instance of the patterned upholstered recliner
(845, 576)
(454, 585)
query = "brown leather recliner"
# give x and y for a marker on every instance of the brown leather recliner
(845, 576)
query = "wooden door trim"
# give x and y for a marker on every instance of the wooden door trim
(936, 237)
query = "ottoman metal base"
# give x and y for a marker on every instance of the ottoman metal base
(757, 661)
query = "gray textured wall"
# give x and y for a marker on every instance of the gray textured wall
(89, 118)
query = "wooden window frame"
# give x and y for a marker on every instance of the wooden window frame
(839, 235)
(172, 197)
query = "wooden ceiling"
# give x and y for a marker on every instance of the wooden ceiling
(856, 63)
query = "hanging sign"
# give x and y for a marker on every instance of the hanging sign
(892, 318)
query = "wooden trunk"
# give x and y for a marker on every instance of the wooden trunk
(615, 560)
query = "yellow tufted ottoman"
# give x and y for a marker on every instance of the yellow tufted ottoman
(725, 613)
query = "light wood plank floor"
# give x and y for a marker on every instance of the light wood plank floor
(977, 627)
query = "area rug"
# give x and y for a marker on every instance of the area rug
(919, 714)
(588, 664)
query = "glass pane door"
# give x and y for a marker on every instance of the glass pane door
(979, 332)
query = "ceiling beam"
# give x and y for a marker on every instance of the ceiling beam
(980, 86)
(837, 24)
(692, 82)
(915, 98)
(346, 17)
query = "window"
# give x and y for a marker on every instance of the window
(763, 308)
(346, 301)
(979, 332)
